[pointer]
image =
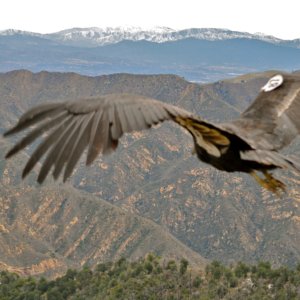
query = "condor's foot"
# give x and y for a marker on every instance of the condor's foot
(269, 182)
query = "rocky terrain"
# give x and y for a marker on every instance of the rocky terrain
(151, 195)
(46, 230)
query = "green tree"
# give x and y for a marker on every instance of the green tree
(263, 269)
(148, 267)
(54, 294)
(183, 266)
(241, 270)
(197, 281)
(171, 265)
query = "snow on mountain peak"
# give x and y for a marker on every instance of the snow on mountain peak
(11, 31)
(110, 35)
(95, 36)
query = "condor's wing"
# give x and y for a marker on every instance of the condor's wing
(94, 123)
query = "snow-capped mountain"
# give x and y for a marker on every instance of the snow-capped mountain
(95, 36)
(110, 35)
(201, 55)
(8, 32)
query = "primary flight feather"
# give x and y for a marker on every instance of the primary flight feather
(247, 144)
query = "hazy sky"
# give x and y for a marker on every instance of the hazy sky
(280, 18)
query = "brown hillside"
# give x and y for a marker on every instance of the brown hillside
(47, 229)
(220, 216)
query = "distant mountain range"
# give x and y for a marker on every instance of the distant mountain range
(203, 55)
(95, 36)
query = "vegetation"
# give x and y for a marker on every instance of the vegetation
(153, 278)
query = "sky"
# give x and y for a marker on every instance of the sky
(280, 18)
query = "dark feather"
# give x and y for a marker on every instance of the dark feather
(80, 144)
(114, 121)
(61, 141)
(69, 144)
(95, 144)
(36, 115)
(45, 146)
(38, 131)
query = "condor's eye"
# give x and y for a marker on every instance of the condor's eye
(273, 83)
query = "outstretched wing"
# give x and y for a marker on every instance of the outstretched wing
(272, 121)
(96, 123)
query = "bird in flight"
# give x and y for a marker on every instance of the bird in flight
(247, 144)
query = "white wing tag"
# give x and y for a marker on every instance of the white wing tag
(273, 83)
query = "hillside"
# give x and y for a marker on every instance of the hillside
(218, 215)
(46, 230)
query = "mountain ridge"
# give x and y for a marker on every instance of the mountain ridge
(97, 36)
(153, 174)
(194, 59)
